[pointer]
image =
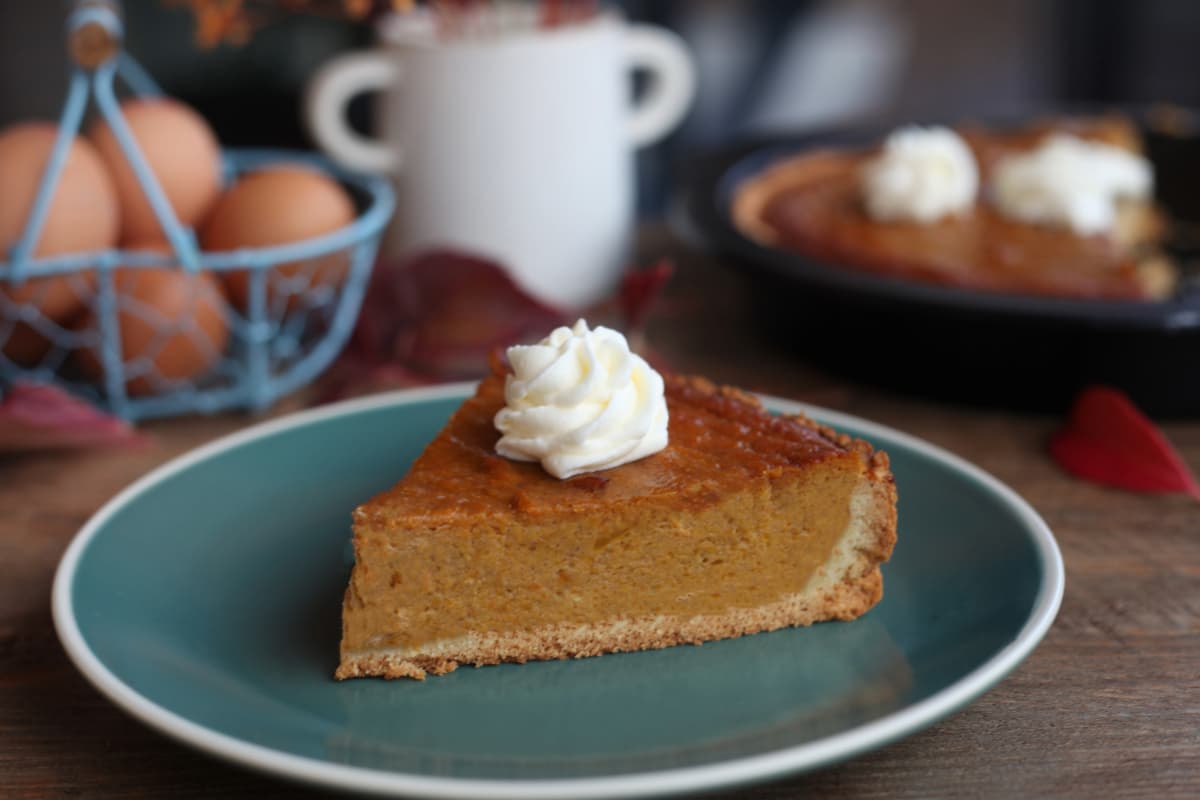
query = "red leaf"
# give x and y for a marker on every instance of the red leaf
(448, 310)
(40, 416)
(438, 315)
(640, 290)
(432, 318)
(1107, 440)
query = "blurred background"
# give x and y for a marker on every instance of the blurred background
(765, 65)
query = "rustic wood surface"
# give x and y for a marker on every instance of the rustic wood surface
(1107, 706)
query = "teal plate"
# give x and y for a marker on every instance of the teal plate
(205, 601)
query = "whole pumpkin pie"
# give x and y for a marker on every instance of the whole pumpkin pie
(745, 522)
(812, 203)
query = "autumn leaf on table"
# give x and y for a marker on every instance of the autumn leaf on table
(638, 295)
(1107, 440)
(435, 318)
(439, 315)
(40, 416)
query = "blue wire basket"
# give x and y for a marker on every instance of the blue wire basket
(291, 326)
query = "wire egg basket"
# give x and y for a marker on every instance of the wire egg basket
(301, 298)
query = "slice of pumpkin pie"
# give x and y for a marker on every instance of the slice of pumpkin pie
(581, 504)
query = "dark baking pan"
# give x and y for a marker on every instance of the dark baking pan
(1007, 351)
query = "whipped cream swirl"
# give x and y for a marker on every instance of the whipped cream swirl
(1070, 182)
(922, 175)
(580, 401)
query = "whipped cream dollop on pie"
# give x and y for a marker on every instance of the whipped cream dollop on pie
(580, 401)
(922, 175)
(1071, 182)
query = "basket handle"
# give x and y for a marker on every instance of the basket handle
(94, 32)
(94, 36)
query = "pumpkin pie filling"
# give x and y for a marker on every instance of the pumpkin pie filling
(745, 522)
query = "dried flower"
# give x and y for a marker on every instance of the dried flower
(234, 21)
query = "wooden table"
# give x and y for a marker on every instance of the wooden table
(1107, 706)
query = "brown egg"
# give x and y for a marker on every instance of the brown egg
(60, 299)
(280, 205)
(82, 217)
(183, 154)
(174, 319)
